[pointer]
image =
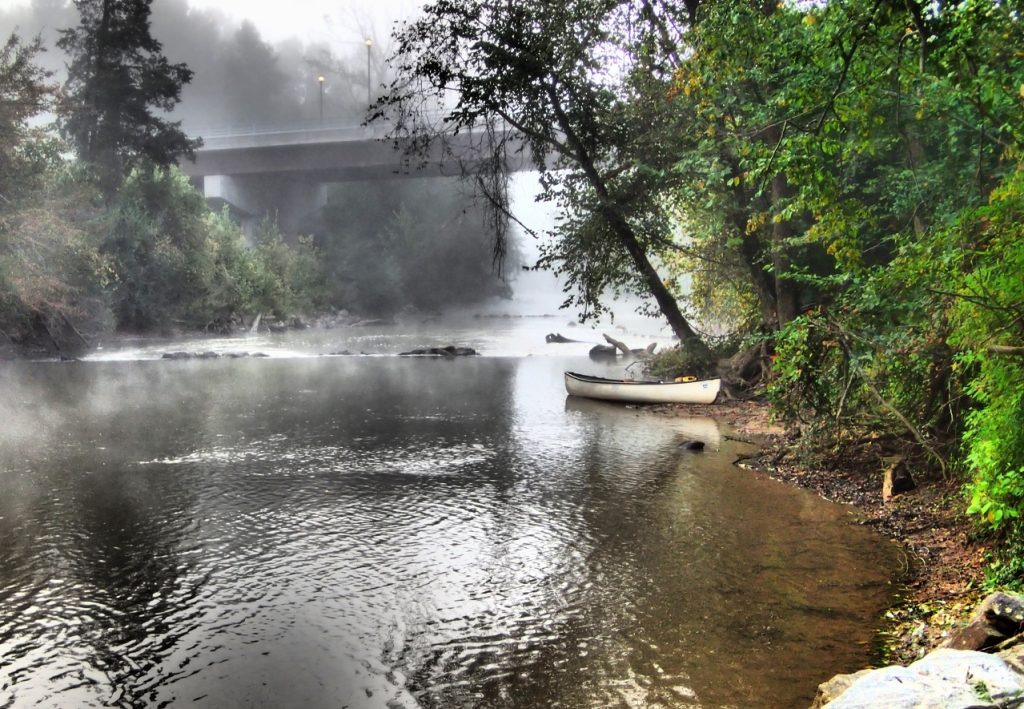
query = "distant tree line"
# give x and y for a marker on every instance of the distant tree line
(838, 184)
(393, 244)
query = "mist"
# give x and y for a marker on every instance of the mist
(242, 82)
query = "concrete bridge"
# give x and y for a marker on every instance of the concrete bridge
(283, 173)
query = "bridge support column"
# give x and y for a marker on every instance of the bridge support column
(293, 203)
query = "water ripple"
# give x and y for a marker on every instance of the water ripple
(402, 534)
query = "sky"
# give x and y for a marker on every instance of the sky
(236, 82)
(309, 20)
(313, 20)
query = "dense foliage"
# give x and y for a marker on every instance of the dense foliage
(176, 264)
(987, 327)
(73, 265)
(118, 239)
(912, 187)
(50, 267)
(25, 151)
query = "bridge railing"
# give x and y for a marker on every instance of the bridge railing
(235, 136)
(295, 133)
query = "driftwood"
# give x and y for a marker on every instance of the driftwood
(896, 479)
(1006, 350)
(641, 354)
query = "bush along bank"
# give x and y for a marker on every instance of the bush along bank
(153, 259)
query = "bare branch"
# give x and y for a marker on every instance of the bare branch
(1011, 350)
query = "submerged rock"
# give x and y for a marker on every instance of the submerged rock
(603, 352)
(210, 354)
(557, 338)
(448, 351)
(190, 355)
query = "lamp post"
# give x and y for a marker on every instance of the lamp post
(320, 79)
(369, 97)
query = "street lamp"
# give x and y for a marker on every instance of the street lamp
(320, 79)
(369, 44)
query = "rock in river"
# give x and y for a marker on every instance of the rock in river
(449, 351)
(210, 355)
(952, 679)
(557, 338)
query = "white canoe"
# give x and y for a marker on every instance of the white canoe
(699, 392)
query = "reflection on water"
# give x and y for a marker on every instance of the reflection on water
(381, 532)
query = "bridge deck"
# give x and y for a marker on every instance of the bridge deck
(331, 153)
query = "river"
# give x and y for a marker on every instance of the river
(373, 531)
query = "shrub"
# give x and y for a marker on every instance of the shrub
(678, 362)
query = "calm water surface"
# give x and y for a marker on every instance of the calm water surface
(386, 532)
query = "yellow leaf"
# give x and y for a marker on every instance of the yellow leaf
(810, 20)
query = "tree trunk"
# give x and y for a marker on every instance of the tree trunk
(688, 338)
(751, 249)
(103, 145)
(785, 289)
(915, 158)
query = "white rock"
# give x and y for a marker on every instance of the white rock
(943, 679)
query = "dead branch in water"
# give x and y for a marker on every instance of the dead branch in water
(647, 352)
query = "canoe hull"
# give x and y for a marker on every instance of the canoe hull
(699, 392)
